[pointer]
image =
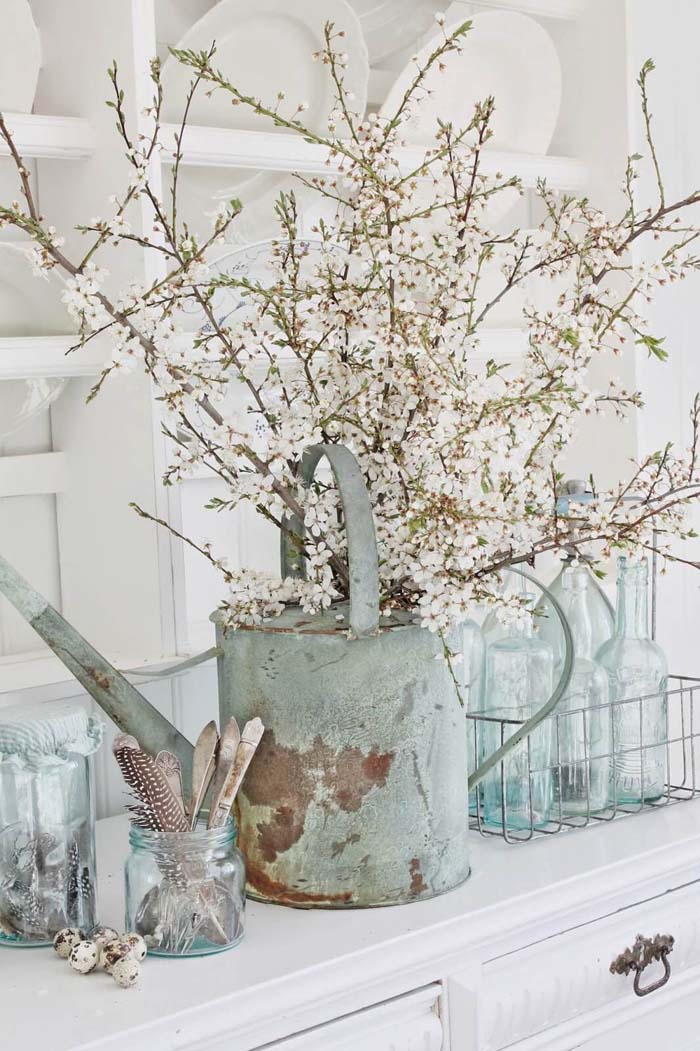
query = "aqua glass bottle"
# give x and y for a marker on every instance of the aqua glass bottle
(493, 627)
(517, 793)
(637, 676)
(600, 614)
(582, 727)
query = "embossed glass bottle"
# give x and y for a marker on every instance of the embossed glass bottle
(517, 793)
(637, 676)
(599, 611)
(582, 717)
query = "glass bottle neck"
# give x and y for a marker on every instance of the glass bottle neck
(580, 624)
(631, 620)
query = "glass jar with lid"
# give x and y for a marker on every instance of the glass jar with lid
(47, 823)
(185, 891)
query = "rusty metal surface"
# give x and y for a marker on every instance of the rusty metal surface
(357, 795)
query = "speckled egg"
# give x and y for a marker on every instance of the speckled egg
(113, 952)
(101, 935)
(84, 956)
(126, 972)
(66, 940)
(137, 944)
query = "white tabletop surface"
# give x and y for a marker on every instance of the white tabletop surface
(295, 966)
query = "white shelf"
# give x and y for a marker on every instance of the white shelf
(47, 356)
(569, 10)
(33, 474)
(56, 138)
(284, 152)
(36, 669)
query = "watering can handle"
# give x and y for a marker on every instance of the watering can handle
(546, 709)
(363, 561)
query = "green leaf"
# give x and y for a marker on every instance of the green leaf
(653, 345)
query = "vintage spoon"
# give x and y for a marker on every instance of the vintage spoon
(226, 757)
(172, 769)
(250, 739)
(203, 763)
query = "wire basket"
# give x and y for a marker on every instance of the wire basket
(574, 789)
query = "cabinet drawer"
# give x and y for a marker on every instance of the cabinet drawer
(568, 975)
(406, 1023)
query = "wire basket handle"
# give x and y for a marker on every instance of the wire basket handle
(559, 690)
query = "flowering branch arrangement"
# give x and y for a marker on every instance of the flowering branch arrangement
(368, 332)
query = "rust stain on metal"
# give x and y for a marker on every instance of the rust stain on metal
(353, 774)
(275, 891)
(418, 884)
(284, 782)
(278, 778)
(99, 678)
(285, 828)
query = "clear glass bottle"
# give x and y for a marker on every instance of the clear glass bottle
(582, 717)
(493, 629)
(517, 793)
(600, 614)
(637, 676)
(185, 891)
(47, 823)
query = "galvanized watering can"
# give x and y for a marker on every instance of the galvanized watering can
(358, 794)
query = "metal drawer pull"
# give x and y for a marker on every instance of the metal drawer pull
(637, 959)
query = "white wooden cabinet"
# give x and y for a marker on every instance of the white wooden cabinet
(518, 957)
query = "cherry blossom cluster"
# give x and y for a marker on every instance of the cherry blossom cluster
(369, 333)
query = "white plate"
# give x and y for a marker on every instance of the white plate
(505, 54)
(390, 25)
(20, 57)
(174, 18)
(263, 46)
(253, 261)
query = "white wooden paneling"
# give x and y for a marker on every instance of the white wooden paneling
(243, 537)
(670, 387)
(408, 1023)
(32, 473)
(27, 528)
(519, 997)
(174, 620)
(28, 540)
(110, 565)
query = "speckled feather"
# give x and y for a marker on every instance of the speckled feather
(158, 808)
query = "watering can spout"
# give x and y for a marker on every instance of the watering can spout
(121, 701)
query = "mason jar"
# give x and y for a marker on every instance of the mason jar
(185, 891)
(47, 823)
